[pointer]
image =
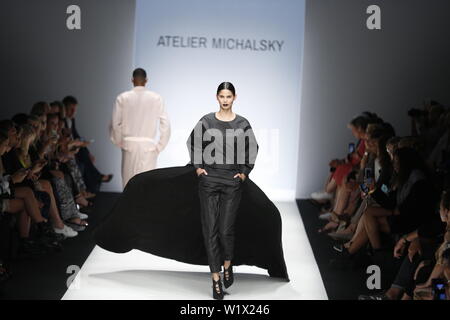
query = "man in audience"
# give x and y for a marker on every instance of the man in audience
(92, 177)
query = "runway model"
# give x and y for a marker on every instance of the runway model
(208, 212)
(223, 150)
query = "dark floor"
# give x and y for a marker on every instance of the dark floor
(45, 277)
(342, 284)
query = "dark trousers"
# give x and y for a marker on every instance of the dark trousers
(220, 195)
(92, 177)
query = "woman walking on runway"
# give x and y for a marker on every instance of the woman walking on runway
(223, 151)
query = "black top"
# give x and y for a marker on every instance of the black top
(416, 210)
(223, 144)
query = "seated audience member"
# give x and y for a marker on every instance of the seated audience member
(92, 177)
(340, 168)
(417, 251)
(375, 172)
(402, 209)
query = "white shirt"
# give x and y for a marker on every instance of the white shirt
(136, 116)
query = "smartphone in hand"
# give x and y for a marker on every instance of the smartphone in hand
(364, 188)
(351, 147)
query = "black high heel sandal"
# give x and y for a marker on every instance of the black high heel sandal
(228, 277)
(217, 290)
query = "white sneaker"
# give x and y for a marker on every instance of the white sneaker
(82, 216)
(321, 196)
(325, 216)
(66, 231)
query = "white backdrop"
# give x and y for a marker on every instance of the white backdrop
(268, 82)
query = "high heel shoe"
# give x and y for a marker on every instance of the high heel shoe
(228, 277)
(217, 290)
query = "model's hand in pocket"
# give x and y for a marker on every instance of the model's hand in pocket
(201, 171)
(242, 176)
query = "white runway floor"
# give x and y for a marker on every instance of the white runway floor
(138, 275)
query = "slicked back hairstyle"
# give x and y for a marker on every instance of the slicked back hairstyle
(226, 86)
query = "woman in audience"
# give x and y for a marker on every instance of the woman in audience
(375, 168)
(21, 159)
(339, 169)
(402, 208)
(67, 206)
(22, 202)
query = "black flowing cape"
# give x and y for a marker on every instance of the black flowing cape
(159, 213)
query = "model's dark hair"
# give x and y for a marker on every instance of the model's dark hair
(70, 100)
(139, 73)
(226, 86)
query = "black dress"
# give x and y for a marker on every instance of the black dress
(159, 213)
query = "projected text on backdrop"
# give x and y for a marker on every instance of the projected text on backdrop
(194, 42)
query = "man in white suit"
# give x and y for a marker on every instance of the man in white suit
(136, 116)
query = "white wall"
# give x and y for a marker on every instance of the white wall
(267, 82)
(348, 69)
(42, 60)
